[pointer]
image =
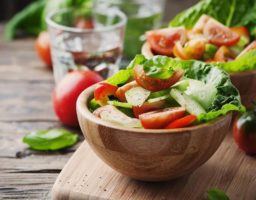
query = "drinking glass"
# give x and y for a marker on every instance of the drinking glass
(143, 15)
(98, 47)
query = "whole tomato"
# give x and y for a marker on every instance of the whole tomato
(67, 91)
(244, 132)
(43, 50)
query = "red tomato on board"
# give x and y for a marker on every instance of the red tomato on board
(160, 118)
(67, 91)
(219, 35)
(42, 46)
(162, 41)
(154, 84)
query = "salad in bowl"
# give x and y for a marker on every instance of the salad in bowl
(213, 32)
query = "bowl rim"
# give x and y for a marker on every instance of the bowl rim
(82, 109)
(148, 53)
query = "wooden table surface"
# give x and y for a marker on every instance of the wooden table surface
(25, 105)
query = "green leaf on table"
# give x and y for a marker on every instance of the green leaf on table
(53, 139)
(216, 194)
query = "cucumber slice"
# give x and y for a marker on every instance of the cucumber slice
(120, 104)
(158, 99)
(137, 96)
(185, 101)
(159, 94)
(182, 85)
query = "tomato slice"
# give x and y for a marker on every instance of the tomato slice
(160, 118)
(103, 91)
(182, 122)
(219, 35)
(199, 26)
(120, 93)
(162, 41)
(154, 84)
(147, 107)
(223, 55)
(251, 46)
(242, 31)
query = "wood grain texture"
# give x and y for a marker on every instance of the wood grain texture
(150, 155)
(86, 177)
(245, 82)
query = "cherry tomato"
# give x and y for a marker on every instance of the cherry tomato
(199, 26)
(120, 93)
(223, 55)
(83, 23)
(242, 31)
(162, 41)
(43, 50)
(219, 35)
(182, 122)
(67, 91)
(248, 48)
(147, 107)
(244, 132)
(160, 118)
(103, 91)
(154, 84)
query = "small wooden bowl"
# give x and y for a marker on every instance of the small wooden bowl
(245, 82)
(150, 155)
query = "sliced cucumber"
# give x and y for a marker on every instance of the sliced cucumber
(158, 98)
(137, 96)
(120, 104)
(187, 102)
(157, 94)
(117, 117)
(182, 85)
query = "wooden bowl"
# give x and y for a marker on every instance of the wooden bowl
(150, 155)
(245, 82)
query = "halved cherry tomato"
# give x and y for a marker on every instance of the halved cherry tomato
(182, 122)
(120, 93)
(223, 55)
(83, 23)
(251, 46)
(160, 118)
(242, 31)
(147, 107)
(219, 35)
(103, 91)
(162, 41)
(199, 26)
(154, 84)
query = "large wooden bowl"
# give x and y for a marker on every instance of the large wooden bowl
(245, 82)
(150, 155)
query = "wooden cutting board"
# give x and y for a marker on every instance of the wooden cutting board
(85, 176)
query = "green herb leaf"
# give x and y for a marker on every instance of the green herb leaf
(139, 59)
(216, 194)
(53, 139)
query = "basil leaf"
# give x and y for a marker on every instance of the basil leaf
(53, 139)
(216, 194)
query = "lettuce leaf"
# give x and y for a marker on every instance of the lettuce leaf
(228, 12)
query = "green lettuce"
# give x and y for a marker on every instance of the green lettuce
(228, 12)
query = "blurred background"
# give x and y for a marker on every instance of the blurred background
(9, 7)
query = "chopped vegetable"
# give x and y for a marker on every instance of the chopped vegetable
(137, 96)
(216, 194)
(182, 122)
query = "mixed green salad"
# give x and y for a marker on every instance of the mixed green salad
(165, 93)
(212, 31)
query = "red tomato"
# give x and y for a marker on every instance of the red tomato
(244, 132)
(219, 35)
(120, 93)
(223, 55)
(162, 41)
(67, 91)
(182, 122)
(242, 31)
(83, 23)
(147, 107)
(248, 48)
(103, 91)
(199, 26)
(43, 49)
(160, 118)
(154, 84)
